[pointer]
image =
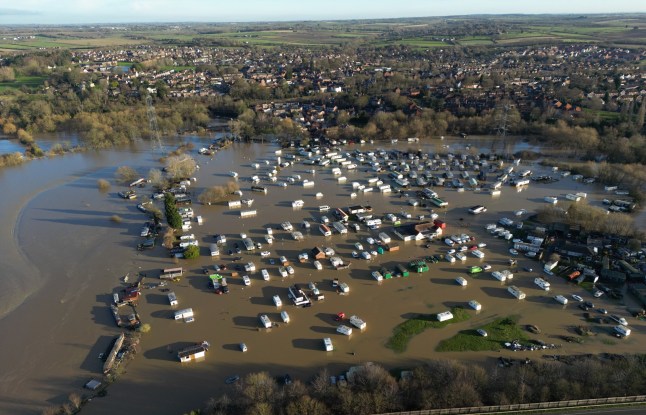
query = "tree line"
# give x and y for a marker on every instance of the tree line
(437, 384)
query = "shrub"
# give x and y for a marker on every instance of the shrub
(144, 328)
(192, 252)
(103, 185)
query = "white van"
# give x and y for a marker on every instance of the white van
(560, 299)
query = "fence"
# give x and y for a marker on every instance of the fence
(526, 406)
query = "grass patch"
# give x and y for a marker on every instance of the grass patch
(20, 81)
(587, 285)
(405, 331)
(499, 331)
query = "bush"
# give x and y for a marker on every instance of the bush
(192, 252)
(144, 328)
(24, 137)
(103, 185)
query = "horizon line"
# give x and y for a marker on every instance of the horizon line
(169, 22)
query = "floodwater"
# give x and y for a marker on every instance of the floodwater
(63, 258)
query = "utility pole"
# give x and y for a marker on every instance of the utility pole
(154, 128)
(502, 121)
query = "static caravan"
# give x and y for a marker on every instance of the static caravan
(357, 322)
(339, 227)
(265, 321)
(248, 213)
(171, 273)
(384, 237)
(284, 316)
(475, 305)
(499, 276)
(343, 329)
(215, 251)
(327, 344)
(325, 230)
(444, 316)
(235, 204)
(185, 313)
(516, 292)
(172, 299)
(560, 299)
(542, 283)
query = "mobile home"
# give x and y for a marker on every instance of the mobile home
(516, 292)
(172, 299)
(171, 273)
(542, 283)
(444, 316)
(327, 344)
(185, 313)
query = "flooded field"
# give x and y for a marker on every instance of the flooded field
(70, 257)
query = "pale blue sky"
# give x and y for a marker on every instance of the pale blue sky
(127, 11)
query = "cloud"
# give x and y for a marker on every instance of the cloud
(18, 12)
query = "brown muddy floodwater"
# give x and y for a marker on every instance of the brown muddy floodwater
(69, 259)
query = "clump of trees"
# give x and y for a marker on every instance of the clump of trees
(157, 179)
(180, 167)
(172, 214)
(125, 174)
(438, 384)
(12, 159)
(217, 193)
(590, 218)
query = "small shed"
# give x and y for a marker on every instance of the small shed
(418, 266)
(317, 253)
(387, 274)
(401, 271)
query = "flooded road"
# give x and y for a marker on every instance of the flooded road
(68, 258)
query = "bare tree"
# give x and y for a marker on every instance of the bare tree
(157, 179)
(216, 193)
(181, 166)
(125, 174)
(75, 400)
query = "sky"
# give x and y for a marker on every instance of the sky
(134, 11)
